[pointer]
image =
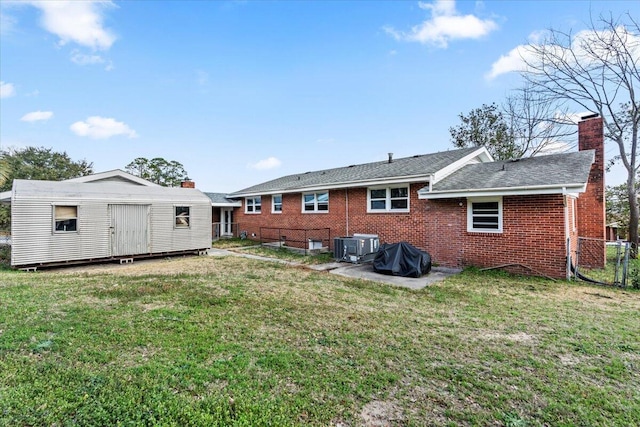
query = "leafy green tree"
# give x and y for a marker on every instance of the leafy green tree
(42, 163)
(617, 207)
(158, 170)
(486, 126)
(36, 163)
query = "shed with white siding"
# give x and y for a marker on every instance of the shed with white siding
(66, 222)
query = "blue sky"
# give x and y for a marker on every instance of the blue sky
(241, 92)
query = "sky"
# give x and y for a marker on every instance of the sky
(241, 92)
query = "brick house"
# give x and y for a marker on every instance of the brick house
(461, 206)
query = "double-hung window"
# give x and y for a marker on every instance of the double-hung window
(182, 216)
(390, 199)
(276, 203)
(484, 215)
(253, 204)
(65, 219)
(315, 202)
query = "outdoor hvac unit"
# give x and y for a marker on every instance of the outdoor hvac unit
(357, 248)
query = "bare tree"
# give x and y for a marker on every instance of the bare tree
(537, 124)
(597, 69)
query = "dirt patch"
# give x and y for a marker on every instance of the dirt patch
(172, 265)
(381, 413)
(519, 337)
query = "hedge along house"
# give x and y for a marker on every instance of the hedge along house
(461, 206)
(109, 218)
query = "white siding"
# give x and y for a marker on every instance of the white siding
(35, 242)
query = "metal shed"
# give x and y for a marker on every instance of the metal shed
(62, 222)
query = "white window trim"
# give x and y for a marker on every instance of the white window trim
(246, 205)
(315, 202)
(470, 202)
(182, 227)
(387, 208)
(273, 204)
(53, 222)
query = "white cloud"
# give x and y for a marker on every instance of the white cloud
(97, 127)
(6, 90)
(512, 61)
(269, 163)
(80, 22)
(80, 58)
(35, 116)
(7, 24)
(518, 57)
(445, 25)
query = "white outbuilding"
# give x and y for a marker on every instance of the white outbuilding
(111, 217)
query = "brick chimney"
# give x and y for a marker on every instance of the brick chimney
(591, 203)
(187, 183)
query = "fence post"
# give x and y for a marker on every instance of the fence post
(625, 266)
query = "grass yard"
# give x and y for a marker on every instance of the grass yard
(207, 341)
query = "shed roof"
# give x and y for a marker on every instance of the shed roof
(418, 167)
(48, 190)
(566, 172)
(115, 175)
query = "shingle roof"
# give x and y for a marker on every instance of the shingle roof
(221, 199)
(420, 166)
(552, 170)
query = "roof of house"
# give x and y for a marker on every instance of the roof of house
(557, 173)
(407, 169)
(115, 175)
(221, 200)
(65, 190)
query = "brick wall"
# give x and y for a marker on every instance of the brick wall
(533, 228)
(591, 204)
(390, 227)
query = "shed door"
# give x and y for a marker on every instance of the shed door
(129, 229)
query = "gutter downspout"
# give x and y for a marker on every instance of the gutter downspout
(567, 233)
(346, 200)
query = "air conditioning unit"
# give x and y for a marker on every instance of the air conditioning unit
(357, 248)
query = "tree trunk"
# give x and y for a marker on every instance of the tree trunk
(633, 216)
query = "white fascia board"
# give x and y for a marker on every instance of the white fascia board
(569, 189)
(353, 184)
(226, 205)
(481, 154)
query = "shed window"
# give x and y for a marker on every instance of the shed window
(391, 199)
(276, 203)
(484, 215)
(65, 218)
(183, 216)
(253, 204)
(315, 202)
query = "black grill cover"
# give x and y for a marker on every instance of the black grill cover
(401, 259)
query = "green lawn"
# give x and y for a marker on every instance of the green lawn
(233, 341)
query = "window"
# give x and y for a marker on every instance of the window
(391, 199)
(183, 217)
(276, 203)
(315, 202)
(484, 215)
(65, 218)
(252, 204)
